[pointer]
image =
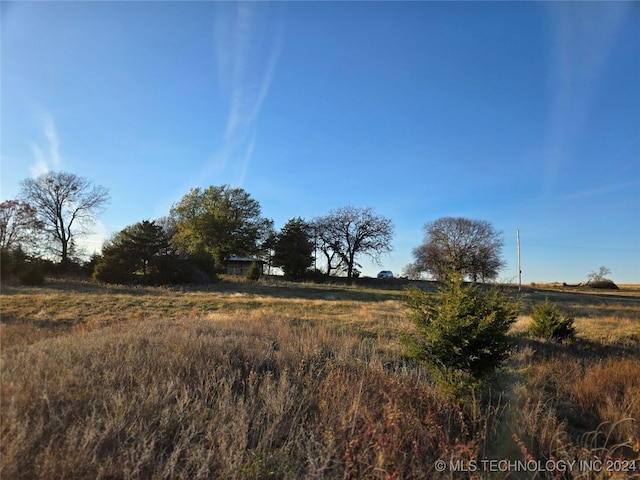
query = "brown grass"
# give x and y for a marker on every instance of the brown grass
(221, 397)
(579, 401)
(589, 392)
(274, 380)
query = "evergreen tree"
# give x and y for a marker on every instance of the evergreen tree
(293, 250)
(138, 250)
(461, 332)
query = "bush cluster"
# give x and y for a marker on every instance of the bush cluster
(11, 261)
(17, 263)
(169, 270)
(32, 276)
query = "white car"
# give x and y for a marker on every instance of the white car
(385, 274)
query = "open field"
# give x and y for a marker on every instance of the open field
(280, 380)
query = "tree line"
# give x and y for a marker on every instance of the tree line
(207, 226)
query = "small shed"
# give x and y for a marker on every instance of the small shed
(240, 265)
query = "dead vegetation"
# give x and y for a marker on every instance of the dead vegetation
(289, 381)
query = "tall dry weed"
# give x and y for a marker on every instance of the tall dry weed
(609, 391)
(253, 381)
(221, 397)
(576, 404)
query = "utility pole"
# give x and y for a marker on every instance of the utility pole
(519, 270)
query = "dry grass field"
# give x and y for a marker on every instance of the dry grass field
(278, 380)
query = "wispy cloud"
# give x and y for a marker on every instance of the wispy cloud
(248, 40)
(40, 166)
(252, 68)
(47, 157)
(247, 158)
(604, 190)
(52, 137)
(584, 35)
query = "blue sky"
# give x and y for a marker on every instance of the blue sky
(526, 115)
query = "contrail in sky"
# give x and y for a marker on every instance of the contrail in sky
(248, 43)
(583, 43)
(49, 158)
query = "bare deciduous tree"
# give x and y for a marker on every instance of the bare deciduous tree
(459, 245)
(348, 232)
(19, 225)
(67, 205)
(324, 243)
(599, 275)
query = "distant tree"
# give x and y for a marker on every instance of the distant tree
(598, 280)
(219, 221)
(19, 225)
(599, 275)
(168, 225)
(67, 205)
(147, 242)
(293, 250)
(411, 272)
(323, 242)
(267, 250)
(137, 250)
(350, 232)
(462, 246)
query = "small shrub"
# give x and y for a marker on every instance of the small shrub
(254, 271)
(175, 271)
(461, 331)
(112, 270)
(548, 322)
(89, 266)
(32, 276)
(316, 276)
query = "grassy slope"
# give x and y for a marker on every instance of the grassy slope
(278, 380)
